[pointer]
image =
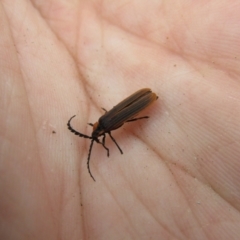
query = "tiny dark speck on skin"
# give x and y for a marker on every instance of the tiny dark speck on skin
(53, 132)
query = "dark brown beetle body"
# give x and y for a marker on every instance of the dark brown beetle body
(125, 111)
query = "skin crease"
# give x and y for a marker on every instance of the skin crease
(179, 175)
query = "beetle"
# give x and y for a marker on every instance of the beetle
(123, 112)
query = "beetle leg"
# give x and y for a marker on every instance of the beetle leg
(135, 119)
(103, 144)
(115, 142)
(104, 109)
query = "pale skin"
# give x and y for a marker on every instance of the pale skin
(179, 175)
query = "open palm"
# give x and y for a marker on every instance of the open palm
(179, 175)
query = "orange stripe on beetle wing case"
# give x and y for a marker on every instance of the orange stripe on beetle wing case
(123, 112)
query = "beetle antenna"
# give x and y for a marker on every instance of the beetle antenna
(74, 131)
(88, 161)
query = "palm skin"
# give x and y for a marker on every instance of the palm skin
(179, 175)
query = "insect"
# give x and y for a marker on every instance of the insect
(123, 112)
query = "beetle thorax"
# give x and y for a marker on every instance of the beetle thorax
(97, 130)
